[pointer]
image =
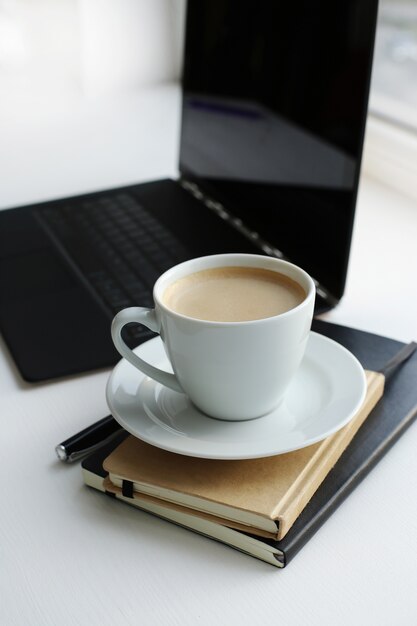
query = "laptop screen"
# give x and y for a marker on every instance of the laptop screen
(274, 108)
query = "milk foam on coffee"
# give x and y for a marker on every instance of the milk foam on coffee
(233, 294)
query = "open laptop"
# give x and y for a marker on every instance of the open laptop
(273, 116)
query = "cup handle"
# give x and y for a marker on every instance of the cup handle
(147, 317)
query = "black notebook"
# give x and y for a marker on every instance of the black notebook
(386, 423)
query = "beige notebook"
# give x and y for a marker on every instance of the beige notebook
(262, 496)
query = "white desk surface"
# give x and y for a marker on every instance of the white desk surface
(71, 556)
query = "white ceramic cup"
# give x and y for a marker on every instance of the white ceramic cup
(229, 370)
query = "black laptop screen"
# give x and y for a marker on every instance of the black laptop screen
(274, 107)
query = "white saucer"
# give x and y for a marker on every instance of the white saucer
(326, 393)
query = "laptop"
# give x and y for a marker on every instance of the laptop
(273, 116)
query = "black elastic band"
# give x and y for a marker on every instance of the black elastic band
(127, 488)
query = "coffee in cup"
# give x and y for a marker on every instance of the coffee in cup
(233, 294)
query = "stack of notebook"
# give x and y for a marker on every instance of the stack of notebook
(269, 507)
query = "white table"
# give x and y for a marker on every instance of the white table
(71, 556)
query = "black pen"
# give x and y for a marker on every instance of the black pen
(87, 440)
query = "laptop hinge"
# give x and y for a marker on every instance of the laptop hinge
(263, 245)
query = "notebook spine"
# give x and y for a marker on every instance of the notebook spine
(298, 540)
(325, 457)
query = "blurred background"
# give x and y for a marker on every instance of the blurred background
(98, 46)
(63, 60)
(79, 80)
(394, 83)
(88, 46)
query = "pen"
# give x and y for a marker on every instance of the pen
(87, 440)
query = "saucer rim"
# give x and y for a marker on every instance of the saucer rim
(230, 455)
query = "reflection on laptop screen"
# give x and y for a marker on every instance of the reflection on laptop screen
(274, 110)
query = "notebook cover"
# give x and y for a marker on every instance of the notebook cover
(393, 414)
(275, 488)
(388, 421)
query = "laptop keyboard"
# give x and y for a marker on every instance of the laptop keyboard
(116, 246)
